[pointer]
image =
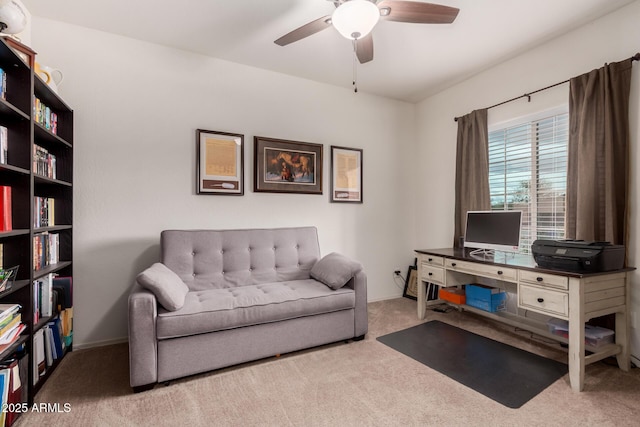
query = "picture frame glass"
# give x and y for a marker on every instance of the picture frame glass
(346, 175)
(282, 166)
(220, 163)
(290, 166)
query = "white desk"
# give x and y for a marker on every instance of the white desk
(540, 293)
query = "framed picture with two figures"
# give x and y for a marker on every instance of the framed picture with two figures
(282, 166)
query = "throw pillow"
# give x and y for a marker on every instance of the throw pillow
(169, 290)
(335, 270)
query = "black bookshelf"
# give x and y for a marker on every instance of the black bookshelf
(26, 130)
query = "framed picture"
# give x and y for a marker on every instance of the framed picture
(220, 163)
(411, 283)
(346, 175)
(23, 51)
(282, 166)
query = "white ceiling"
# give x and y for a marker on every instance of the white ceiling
(411, 61)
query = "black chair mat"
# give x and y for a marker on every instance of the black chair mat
(503, 373)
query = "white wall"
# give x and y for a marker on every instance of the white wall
(137, 106)
(609, 39)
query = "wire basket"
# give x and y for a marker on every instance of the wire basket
(7, 277)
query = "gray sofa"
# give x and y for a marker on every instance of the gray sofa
(220, 298)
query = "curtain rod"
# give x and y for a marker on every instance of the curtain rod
(635, 57)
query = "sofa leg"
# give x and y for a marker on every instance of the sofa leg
(141, 388)
(360, 338)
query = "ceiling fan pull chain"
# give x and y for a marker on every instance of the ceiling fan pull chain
(355, 66)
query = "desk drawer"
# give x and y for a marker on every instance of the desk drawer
(432, 274)
(543, 279)
(543, 300)
(484, 270)
(437, 261)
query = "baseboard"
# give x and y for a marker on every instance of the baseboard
(385, 298)
(95, 344)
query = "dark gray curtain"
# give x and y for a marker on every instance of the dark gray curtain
(472, 169)
(598, 163)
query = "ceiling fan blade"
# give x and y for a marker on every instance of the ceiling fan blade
(305, 31)
(417, 12)
(364, 49)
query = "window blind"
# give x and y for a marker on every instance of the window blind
(528, 172)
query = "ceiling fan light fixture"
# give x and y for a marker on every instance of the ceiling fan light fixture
(355, 19)
(13, 18)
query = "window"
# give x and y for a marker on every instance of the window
(528, 172)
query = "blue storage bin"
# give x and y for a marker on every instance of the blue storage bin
(486, 298)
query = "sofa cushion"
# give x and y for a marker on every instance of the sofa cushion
(220, 309)
(209, 259)
(335, 270)
(169, 290)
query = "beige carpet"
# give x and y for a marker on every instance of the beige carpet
(359, 383)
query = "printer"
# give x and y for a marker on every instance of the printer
(578, 256)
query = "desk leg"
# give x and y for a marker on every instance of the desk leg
(422, 298)
(622, 339)
(623, 325)
(576, 335)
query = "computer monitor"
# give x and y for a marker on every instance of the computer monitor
(493, 231)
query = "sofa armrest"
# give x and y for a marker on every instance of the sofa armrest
(143, 354)
(359, 284)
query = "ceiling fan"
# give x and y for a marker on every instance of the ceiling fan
(355, 19)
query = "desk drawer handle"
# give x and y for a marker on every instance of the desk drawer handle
(453, 264)
(539, 279)
(430, 259)
(540, 300)
(430, 274)
(499, 272)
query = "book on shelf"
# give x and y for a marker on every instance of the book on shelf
(15, 389)
(66, 322)
(12, 334)
(48, 345)
(45, 295)
(3, 84)
(8, 319)
(43, 162)
(9, 323)
(4, 145)
(5, 378)
(39, 364)
(44, 116)
(36, 301)
(65, 285)
(44, 212)
(54, 123)
(55, 326)
(5, 208)
(8, 310)
(23, 365)
(46, 248)
(11, 337)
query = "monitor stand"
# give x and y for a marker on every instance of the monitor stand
(483, 252)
